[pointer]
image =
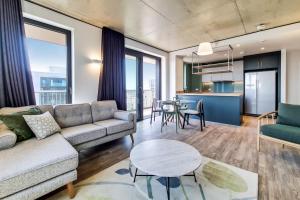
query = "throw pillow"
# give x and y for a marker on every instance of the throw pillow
(9, 111)
(42, 125)
(16, 123)
(7, 139)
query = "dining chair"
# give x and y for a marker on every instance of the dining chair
(155, 109)
(169, 111)
(198, 112)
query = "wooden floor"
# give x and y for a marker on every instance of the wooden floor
(278, 169)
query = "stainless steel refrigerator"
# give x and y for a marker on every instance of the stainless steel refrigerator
(260, 92)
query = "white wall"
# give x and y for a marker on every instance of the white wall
(293, 76)
(179, 73)
(283, 77)
(86, 45)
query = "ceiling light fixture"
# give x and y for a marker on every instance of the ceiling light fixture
(241, 52)
(237, 45)
(263, 48)
(204, 49)
(260, 27)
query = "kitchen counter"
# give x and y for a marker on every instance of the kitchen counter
(224, 108)
(212, 94)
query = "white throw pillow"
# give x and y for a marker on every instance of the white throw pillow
(42, 125)
(7, 139)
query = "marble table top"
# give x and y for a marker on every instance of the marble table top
(165, 158)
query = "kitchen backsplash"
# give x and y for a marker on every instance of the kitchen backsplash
(223, 87)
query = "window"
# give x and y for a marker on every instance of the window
(142, 82)
(49, 51)
(150, 83)
(130, 71)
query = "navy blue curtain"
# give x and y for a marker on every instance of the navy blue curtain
(112, 75)
(16, 87)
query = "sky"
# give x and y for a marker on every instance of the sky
(43, 54)
(149, 73)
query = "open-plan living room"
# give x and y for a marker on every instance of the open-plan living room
(150, 99)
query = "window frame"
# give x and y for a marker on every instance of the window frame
(68, 35)
(139, 78)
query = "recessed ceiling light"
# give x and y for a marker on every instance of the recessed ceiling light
(241, 52)
(237, 45)
(260, 27)
(225, 54)
(262, 48)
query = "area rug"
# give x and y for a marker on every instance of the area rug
(215, 181)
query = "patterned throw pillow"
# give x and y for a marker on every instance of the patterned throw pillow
(42, 125)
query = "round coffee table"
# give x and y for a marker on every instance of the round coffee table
(165, 158)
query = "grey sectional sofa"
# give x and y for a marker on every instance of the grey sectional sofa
(34, 167)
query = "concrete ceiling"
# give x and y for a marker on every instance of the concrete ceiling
(42, 34)
(177, 24)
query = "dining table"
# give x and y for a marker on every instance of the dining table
(175, 106)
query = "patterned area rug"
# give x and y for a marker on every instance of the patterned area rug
(215, 180)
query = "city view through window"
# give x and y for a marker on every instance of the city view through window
(47, 53)
(149, 83)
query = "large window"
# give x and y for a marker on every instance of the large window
(142, 82)
(49, 51)
(150, 83)
(131, 84)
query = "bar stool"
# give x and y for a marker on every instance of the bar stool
(198, 112)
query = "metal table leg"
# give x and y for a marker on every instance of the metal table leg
(136, 169)
(194, 175)
(168, 187)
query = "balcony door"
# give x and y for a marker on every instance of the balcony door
(49, 51)
(143, 74)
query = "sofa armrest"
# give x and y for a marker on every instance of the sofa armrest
(268, 115)
(266, 118)
(7, 139)
(124, 115)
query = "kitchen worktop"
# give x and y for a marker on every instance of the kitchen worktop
(212, 94)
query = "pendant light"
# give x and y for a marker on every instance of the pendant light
(204, 49)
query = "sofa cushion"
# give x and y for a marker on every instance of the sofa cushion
(7, 139)
(115, 125)
(102, 110)
(288, 114)
(11, 110)
(73, 115)
(282, 132)
(124, 115)
(83, 133)
(45, 108)
(34, 161)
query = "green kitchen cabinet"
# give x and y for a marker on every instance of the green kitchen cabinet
(192, 82)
